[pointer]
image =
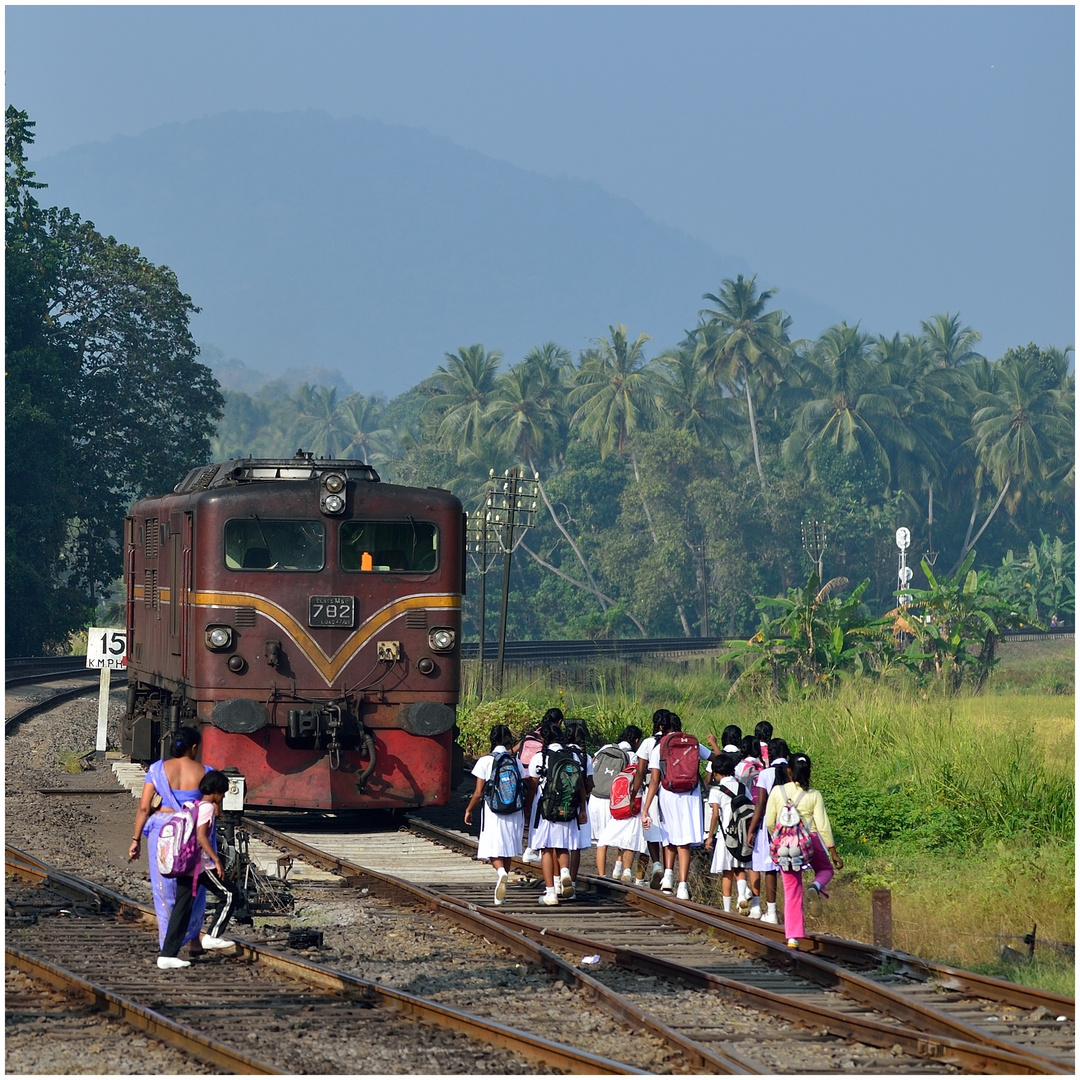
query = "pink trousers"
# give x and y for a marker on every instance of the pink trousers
(793, 890)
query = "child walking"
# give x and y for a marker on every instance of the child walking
(723, 789)
(212, 790)
(500, 833)
(811, 809)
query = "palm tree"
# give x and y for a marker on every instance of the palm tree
(616, 391)
(740, 343)
(361, 420)
(855, 407)
(317, 418)
(691, 401)
(467, 383)
(949, 345)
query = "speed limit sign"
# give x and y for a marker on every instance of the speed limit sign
(106, 647)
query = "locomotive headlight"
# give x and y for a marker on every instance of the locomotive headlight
(441, 639)
(219, 637)
(333, 493)
(334, 483)
(333, 504)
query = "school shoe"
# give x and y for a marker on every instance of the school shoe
(657, 874)
(628, 877)
(667, 882)
(616, 874)
(639, 882)
(500, 887)
(682, 893)
(531, 857)
(209, 942)
(566, 887)
(167, 962)
(771, 917)
(813, 900)
(755, 909)
(549, 899)
(792, 943)
(743, 906)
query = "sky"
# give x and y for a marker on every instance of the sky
(890, 162)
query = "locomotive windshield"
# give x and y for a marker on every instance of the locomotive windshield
(389, 545)
(256, 544)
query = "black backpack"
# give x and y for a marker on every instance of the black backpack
(564, 781)
(735, 835)
(503, 791)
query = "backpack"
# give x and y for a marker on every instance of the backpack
(503, 790)
(178, 850)
(679, 761)
(747, 772)
(735, 835)
(790, 846)
(563, 784)
(621, 804)
(608, 762)
(531, 745)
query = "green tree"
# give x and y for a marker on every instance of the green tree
(467, 384)
(319, 424)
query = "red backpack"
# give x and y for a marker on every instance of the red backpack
(679, 760)
(621, 804)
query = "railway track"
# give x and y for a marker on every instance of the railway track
(302, 1017)
(837, 1007)
(22, 699)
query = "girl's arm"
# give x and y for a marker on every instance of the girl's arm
(142, 815)
(654, 784)
(712, 825)
(474, 802)
(824, 830)
(202, 833)
(760, 799)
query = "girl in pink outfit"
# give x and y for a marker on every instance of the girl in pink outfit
(811, 808)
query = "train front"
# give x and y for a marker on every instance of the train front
(325, 627)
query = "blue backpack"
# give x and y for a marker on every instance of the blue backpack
(503, 791)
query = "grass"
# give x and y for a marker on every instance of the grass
(963, 807)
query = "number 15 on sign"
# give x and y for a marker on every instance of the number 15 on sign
(106, 648)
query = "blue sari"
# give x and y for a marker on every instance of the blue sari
(164, 888)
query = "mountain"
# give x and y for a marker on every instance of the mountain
(370, 250)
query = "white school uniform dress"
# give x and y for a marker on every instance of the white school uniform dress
(584, 832)
(500, 834)
(720, 795)
(549, 834)
(761, 861)
(625, 835)
(653, 833)
(680, 812)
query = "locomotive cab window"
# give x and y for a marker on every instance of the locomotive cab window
(256, 544)
(388, 546)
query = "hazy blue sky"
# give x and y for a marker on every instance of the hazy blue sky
(890, 162)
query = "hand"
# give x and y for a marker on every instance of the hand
(837, 861)
(708, 843)
(645, 823)
(218, 867)
(134, 849)
(750, 838)
(468, 817)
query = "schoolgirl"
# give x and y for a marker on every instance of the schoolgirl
(763, 871)
(500, 834)
(811, 808)
(624, 836)
(552, 838)
(577, 736)
(524, 748)
(749, 763)
(723, 788)
(680, 815)
(763, 732)
(651, 833)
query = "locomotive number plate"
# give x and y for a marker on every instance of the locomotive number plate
(332, 611)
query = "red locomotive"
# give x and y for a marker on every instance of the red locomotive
(307, 618)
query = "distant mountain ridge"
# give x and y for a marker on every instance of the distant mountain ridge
(371, 249)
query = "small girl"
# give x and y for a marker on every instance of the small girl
(500, 834)
(653, 836)
(212, 790)
(577, 736)
(721, 792)
(525, 748)
(625, 836)
(811, 808)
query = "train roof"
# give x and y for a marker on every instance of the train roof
(303, 466)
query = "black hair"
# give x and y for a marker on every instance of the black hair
(553, 715)
(577, 734)
(631, 734)
(751, 746)
(660, 722)
(724, 765)
(763, 731)
(551, 731)
(799, 770)
(214, 782)
(674, 722)
(183, 740)
(778, 748)
(500, 734)
(732, 736)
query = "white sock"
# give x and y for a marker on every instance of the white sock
(564, 874)
(617, 872)
(502, 871)
(727, 902)
(550, 892)
(770, 908)
(744, 889)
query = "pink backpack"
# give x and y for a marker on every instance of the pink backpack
(531, 745)
(679, 760)
(621, 804)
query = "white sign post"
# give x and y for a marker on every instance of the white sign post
(106, 648)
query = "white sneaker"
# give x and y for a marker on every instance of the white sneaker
(639, 882)
(549, 899)
(771, 917)
(565, 886)
(531, 856)
(500, 887)
(209, 942)
(755, 909)
(627, 877)
(813, 900)
(617, 872)
(682, 893)
(667, 882)
(657, 874)
(166, 962)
